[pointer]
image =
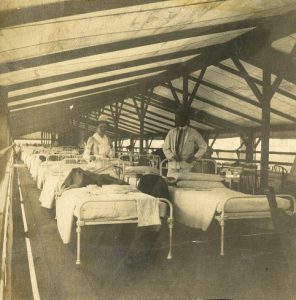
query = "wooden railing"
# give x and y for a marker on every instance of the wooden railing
(238, 153)
(6, 229)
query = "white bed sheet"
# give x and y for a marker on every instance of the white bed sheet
(42, 170)
(197, 208)
(68, 206)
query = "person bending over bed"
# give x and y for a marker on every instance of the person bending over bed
(99, 145)
(181, 143)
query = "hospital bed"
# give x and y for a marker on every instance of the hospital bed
(200, 198)
(83, 220)
(230, 211)
(107, 207)
(57, 173)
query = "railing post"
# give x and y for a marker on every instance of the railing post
(265, 134)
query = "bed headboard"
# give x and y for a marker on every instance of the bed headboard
(137, 159)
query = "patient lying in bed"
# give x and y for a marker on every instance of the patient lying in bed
(80, 178)
(70, 176)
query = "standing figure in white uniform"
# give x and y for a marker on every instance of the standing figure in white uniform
(181, 144)
(99, 145)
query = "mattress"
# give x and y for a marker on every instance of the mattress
(197, 207)
(252, 205)
(106, 208)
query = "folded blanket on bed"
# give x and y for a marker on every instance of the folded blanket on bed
(148, 211)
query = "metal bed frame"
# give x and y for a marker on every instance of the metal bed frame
(152, 159)
(85, 222)
(225, 216)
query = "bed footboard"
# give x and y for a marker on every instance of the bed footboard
(224, 216)
(84, 222)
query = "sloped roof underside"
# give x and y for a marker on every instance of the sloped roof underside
(92, 54)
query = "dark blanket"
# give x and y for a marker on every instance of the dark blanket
(80, 178)
(154, 185)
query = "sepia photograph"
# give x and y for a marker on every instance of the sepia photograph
(147, 149)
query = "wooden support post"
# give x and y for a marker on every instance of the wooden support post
(51, 138)
(5, 139)
(249, 146)
(250, 143)
(185, 90)
(144, 103)
(268, 90)
(132, 144)
(265, 134)
(86, 124)
(115, 112)
(142, 116)
(178, 102)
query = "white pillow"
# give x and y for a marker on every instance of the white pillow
(199, 177)
(141, 170)
(199, 184)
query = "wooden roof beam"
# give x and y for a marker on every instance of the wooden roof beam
(241, 97)
(198, 116)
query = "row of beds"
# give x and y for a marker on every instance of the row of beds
(195, 199)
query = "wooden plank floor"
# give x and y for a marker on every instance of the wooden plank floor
(20, 276)
(254, 266)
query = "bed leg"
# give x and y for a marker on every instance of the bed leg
(222, 225)
(171, 225)
(78, 230)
